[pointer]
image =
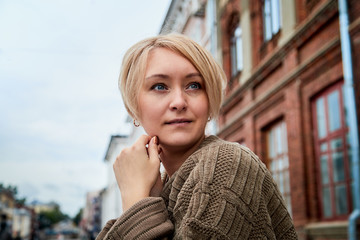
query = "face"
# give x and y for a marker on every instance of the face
(173, 103)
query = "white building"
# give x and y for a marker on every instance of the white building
(21, 223)
(196, 19)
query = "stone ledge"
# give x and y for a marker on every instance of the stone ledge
(327, 230)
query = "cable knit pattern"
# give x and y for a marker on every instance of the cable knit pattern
(222, 191)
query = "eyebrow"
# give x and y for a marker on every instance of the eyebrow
(157, 76)
(196, 74)
(164, 76)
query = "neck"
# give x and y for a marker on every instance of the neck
(173, 158)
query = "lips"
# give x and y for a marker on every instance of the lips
(178, 121)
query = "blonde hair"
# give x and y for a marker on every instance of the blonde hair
(134, 66)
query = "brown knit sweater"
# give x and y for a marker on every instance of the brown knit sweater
(222, 191)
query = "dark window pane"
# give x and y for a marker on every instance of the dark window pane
(326, 202)
(336, 143)
(324, 169)
(341, 200)
(338, 166)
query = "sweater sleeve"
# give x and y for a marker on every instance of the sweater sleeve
(147, 219)
(223, 198)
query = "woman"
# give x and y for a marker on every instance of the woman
(212, 189)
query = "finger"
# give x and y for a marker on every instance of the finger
(141, 143)
(143, 140)
(153, 149)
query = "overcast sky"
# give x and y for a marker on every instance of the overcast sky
(59, 102)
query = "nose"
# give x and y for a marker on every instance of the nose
(178, 100)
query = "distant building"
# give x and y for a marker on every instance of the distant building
(19, 220)
(91, 216)
(43, 207)
(285, 96)
(23, 222)
(7, 206)
(7, 203)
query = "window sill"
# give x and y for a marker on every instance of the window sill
(269, 45)
(326, 230)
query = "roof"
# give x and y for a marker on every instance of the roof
(113, 140)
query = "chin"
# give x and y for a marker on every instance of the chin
(180, 140)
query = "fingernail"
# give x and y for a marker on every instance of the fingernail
(155, 140)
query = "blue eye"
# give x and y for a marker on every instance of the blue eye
(158, 87)
(194, 85)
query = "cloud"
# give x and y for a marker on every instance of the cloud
(59, 102)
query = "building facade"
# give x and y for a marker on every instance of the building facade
(285, 96)
(90, 223)
(17, 220)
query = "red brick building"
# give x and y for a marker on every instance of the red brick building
(284, 99)
(287, 104)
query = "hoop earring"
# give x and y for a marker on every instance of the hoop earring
(136, 123)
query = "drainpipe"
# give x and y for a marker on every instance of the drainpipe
(349, 102)
(212, 8)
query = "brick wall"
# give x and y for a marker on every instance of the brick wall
(284, 80)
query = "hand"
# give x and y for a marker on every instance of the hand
(137, 169)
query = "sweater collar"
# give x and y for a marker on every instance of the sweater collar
(185, 169)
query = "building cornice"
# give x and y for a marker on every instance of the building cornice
(179, 13)
(264, 98)
(113, 140)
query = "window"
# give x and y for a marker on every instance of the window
(278, 161)
(236, 51)
(332, 154)
(271, 18)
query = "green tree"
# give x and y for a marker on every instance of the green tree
(51, 217)
(78, 216)
(14, 192)
(10, 189)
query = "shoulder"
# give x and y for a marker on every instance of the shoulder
(234, 169)
(225, 152)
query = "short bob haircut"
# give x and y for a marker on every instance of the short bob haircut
(134, 65)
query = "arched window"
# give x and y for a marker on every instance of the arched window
(236, 51)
